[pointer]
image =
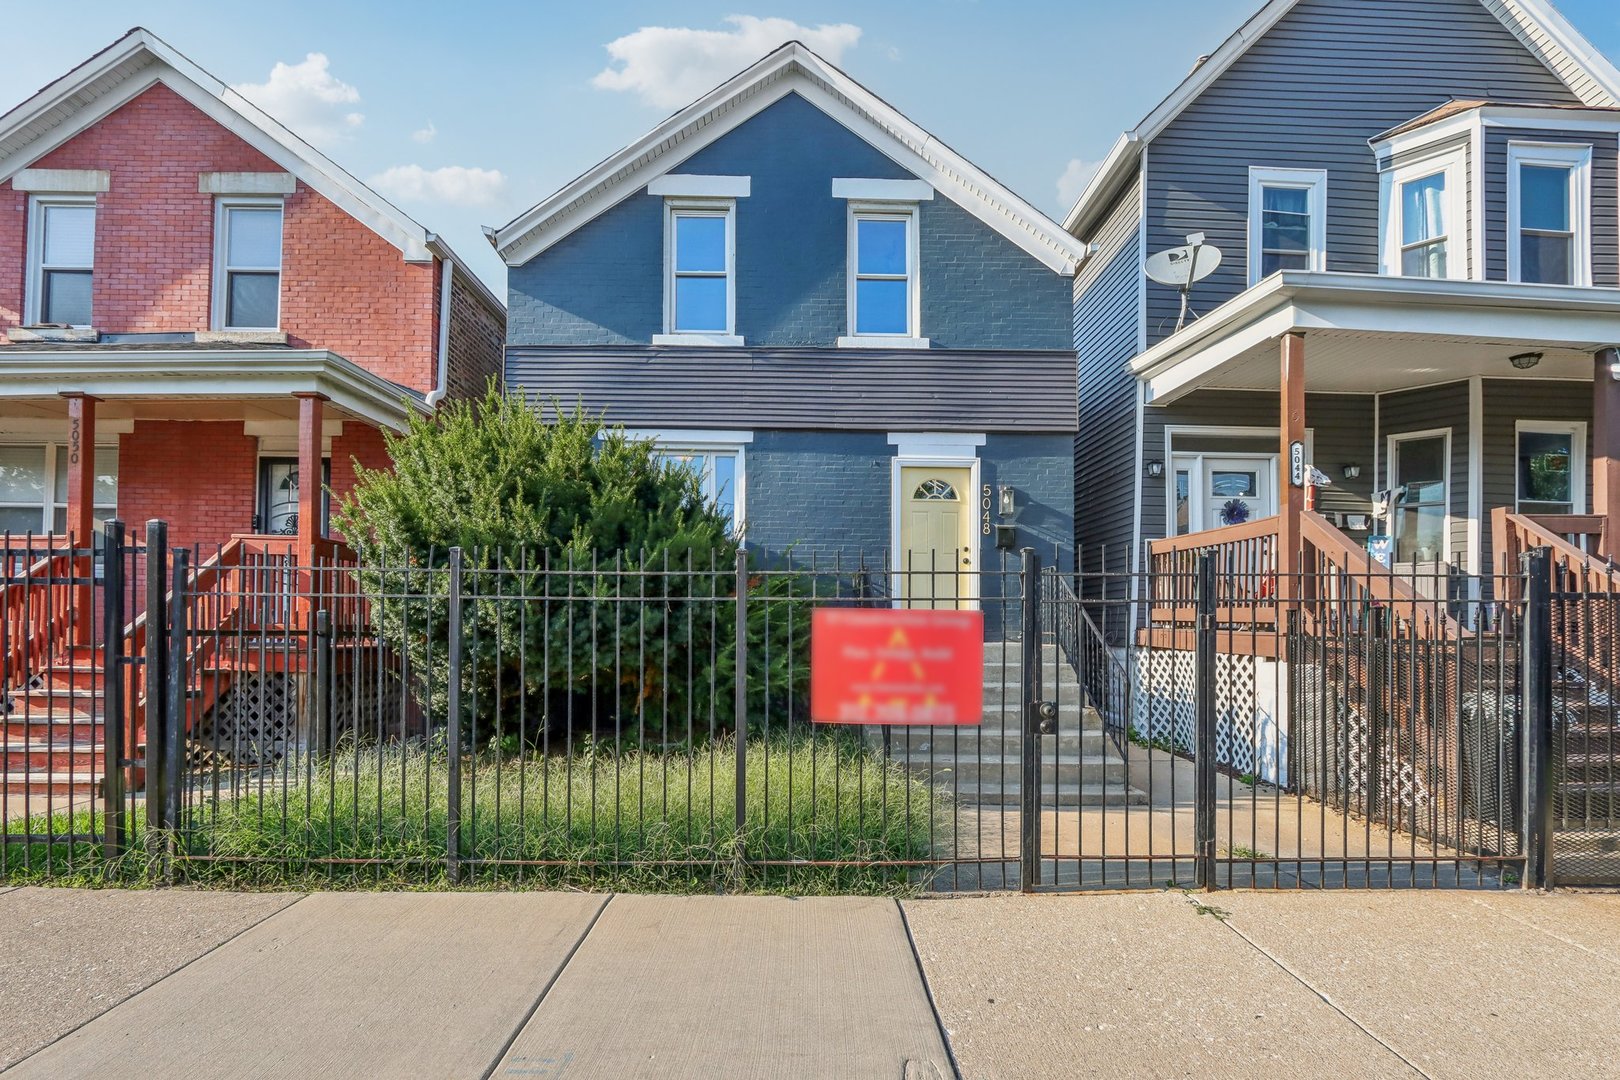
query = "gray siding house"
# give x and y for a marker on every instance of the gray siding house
(860, 340)
(1418, 211)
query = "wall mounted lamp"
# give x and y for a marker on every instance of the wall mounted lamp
(1153, 469)
(1351, 471)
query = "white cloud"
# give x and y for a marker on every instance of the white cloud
(424, 135)
(454, 184)
(670, 66)
(309, 99)
(1075, 176)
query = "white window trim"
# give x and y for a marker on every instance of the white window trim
(902, 191)
(701, 441)
(674, 207)
(695, 186)
(1578, 159)
(221, 302)
(912, 338)
(34, 286)
(1391, 210)
(53, 498)
(1312, 180)
(1391, 465)
(1576, 430)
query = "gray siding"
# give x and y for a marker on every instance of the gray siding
(1107, 331)
(1329, 76)
(1507, 401)
(1423, 410)
(1605, 224)
(1341, 427)
(848, 389)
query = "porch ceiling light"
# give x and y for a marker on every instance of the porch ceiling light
(1525, 361)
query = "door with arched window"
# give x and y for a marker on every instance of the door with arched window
(936, 541)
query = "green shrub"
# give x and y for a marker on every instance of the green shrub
(598, 590)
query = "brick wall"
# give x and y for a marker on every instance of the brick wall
(344, 287)
(477, 342)
(160, 476)
(358, 443)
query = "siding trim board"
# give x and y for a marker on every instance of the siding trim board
(804, 388)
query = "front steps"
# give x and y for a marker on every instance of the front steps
(53, 753)
(983, 765)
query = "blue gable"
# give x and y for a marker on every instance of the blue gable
(603, 283)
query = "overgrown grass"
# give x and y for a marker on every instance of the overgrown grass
(633, 821)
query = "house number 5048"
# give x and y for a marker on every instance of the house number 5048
(984, 509)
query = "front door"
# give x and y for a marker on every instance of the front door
(1237, 490)
(278, 496)
(936, 546)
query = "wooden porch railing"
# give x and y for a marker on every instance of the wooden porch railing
(1245, 573)
(36, 606)
(1578, 570)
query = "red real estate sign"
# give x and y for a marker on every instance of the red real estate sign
(892, 666)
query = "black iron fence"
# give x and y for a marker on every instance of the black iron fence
(236, 716)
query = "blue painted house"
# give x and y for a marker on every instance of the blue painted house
(861, 340)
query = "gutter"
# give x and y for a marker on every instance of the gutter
(441, 382)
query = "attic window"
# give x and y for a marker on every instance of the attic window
(247, 264)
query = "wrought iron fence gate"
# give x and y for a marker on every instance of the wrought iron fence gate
(645, 723)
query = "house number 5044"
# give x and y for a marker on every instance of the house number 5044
(984, 509)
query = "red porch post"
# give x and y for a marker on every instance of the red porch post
(1290, 497)
(1606, 449)
(81, 502)
(309, 475)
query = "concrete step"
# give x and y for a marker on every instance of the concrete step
(970, 775)
(973, 742)
(1062, 795)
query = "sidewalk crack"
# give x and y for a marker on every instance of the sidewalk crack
(523, 1021)
(1329, 1002)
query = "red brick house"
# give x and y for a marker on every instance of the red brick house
(204, 304)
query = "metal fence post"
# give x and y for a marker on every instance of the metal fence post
(1204, 729)
(155, 676)
(175, 688)
(741, 701)
(1029, 824)
(322, 673)
(112, 687)
(1538, 720)
(452, 815)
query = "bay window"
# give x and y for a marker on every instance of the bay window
(1549, 200)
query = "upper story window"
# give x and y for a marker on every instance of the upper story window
(62, 256)
(1425, 218)
(247, 264)
(1287, 221)
(1549, 206)
(700, 281)
(884, 303)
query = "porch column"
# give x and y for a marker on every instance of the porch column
(81, 503)
(309, 475)
(1290, 498)
(1606, 450)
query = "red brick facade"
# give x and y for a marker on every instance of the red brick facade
(344, 288)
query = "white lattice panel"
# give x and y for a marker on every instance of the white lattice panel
(1247, 735)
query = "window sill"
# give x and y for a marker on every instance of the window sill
(712, 340)
(241, 337)
(873, 342)
(18, 335)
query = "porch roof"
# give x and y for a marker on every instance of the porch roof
(1368, 333)
(187, 377)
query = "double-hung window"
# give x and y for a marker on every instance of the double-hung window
(247, 264)
(883, 300)
(716, 458)
(1549, 198)
(700, 287)
(33, 487)
(1287, 221)
(62, 246)
(1551, 466)
(1425, 218)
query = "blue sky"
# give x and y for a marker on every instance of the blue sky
(468, 112)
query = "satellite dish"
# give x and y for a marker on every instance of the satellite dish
(1180, 267)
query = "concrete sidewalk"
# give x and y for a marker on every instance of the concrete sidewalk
(1398, 984)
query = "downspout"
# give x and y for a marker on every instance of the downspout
(441, 385)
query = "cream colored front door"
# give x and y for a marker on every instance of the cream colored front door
(936, 546)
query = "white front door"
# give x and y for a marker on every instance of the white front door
(936, 552)
(1212, 492)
